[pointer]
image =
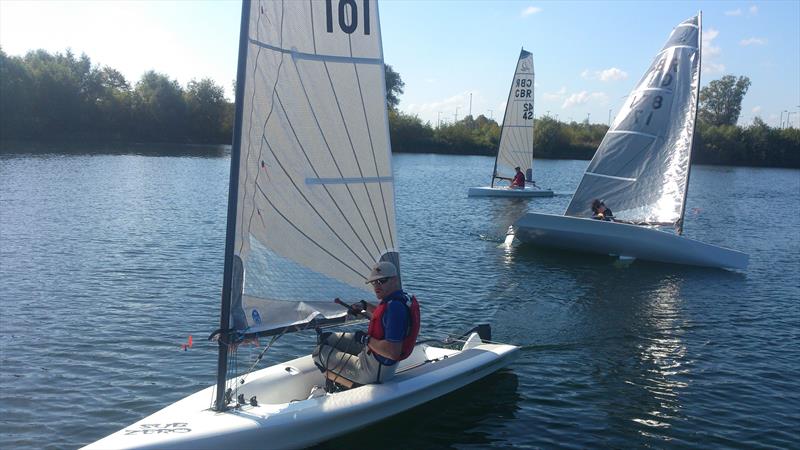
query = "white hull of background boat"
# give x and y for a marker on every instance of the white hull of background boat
(488, 191)
(623, 240)
(286, 418)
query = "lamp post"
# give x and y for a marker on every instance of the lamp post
(456, 115)
(491, 115)
(439, 120)
(787, 118)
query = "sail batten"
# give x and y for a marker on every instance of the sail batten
(318, 57)
(641, 168)
(637, 133)
(594, 174)
(315, 202)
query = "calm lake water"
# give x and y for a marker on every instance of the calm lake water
(109, 262)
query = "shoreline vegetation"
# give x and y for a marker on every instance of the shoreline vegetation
(60, 102)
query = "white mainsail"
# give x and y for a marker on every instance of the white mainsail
(641, 169)
(315, 204)
(516, 138)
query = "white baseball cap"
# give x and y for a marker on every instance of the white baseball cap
(383, 269)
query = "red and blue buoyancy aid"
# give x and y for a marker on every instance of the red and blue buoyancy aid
(376, 330)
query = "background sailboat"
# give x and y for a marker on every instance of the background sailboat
(641, 171)
(311, 208)
(516, 138)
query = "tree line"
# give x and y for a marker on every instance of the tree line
(718, 140)
(63, 97)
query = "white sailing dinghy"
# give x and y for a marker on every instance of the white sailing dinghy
(641, 172)
(516, 139)
(311, 208)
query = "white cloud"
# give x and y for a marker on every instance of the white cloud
(753, 10)
(556, 95)
(756, 110)
(752, 41)
(430, 111)
(709, 50)
(710, 67)
(583, 97)
(711, 53)
(498, 113)
(611, 74)
(530, 10)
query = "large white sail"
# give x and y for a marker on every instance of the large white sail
(516, 138)
(641, 168)
(315, 206)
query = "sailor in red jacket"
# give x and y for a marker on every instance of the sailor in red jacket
(519, 179)
(372, 357)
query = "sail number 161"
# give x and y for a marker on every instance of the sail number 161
(347, 12)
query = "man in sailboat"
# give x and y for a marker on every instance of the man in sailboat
(600, 211)
(372, 357)
(518, 182)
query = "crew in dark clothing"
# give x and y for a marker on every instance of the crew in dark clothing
(600, 211)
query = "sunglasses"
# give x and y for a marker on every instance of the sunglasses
(380, 281)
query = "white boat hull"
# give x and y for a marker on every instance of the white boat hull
(503, 191)
(286, 418)
(623, 240)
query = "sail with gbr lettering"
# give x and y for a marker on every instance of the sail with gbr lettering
(641, 169)
(516, 138)
(315, 193)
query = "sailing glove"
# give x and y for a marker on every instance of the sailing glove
(361, 337)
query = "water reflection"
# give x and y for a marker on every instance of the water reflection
(479, 414)
(620, 331)
(46, 149)
(500, 213)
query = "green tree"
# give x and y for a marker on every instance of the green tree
(16, 87)
(206, 108)
(112, 103)
(721, 100)
(408, 133)
(159, 108)
(394, 87)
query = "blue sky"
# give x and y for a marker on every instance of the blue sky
(588, 55)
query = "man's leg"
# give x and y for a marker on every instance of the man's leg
(371, 371)
(338, 353)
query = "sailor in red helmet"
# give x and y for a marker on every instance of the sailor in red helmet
(372, 357)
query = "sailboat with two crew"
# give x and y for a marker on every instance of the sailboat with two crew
(515, 152)
(310, 210)
(641, 171)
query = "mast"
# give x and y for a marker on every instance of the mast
(533, 120)
(233, 195)
(694, 125)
